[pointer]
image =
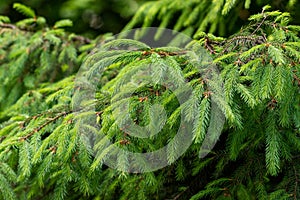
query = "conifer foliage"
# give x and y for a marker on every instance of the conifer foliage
(45, 155)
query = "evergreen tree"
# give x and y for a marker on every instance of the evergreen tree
(46, 124)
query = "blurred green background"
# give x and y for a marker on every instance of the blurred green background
(90, 17)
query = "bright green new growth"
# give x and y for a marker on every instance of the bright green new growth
(197, 16)
(43, 154)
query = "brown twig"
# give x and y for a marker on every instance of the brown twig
(181, 193)
(297, 79)
(74, 38)
(245, 38)
(208, 45)
(296, 183)
(260, 24)
(162, 53)
(81, 39)
(44, 125)
(11, 26)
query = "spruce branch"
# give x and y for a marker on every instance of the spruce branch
(51, 120)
